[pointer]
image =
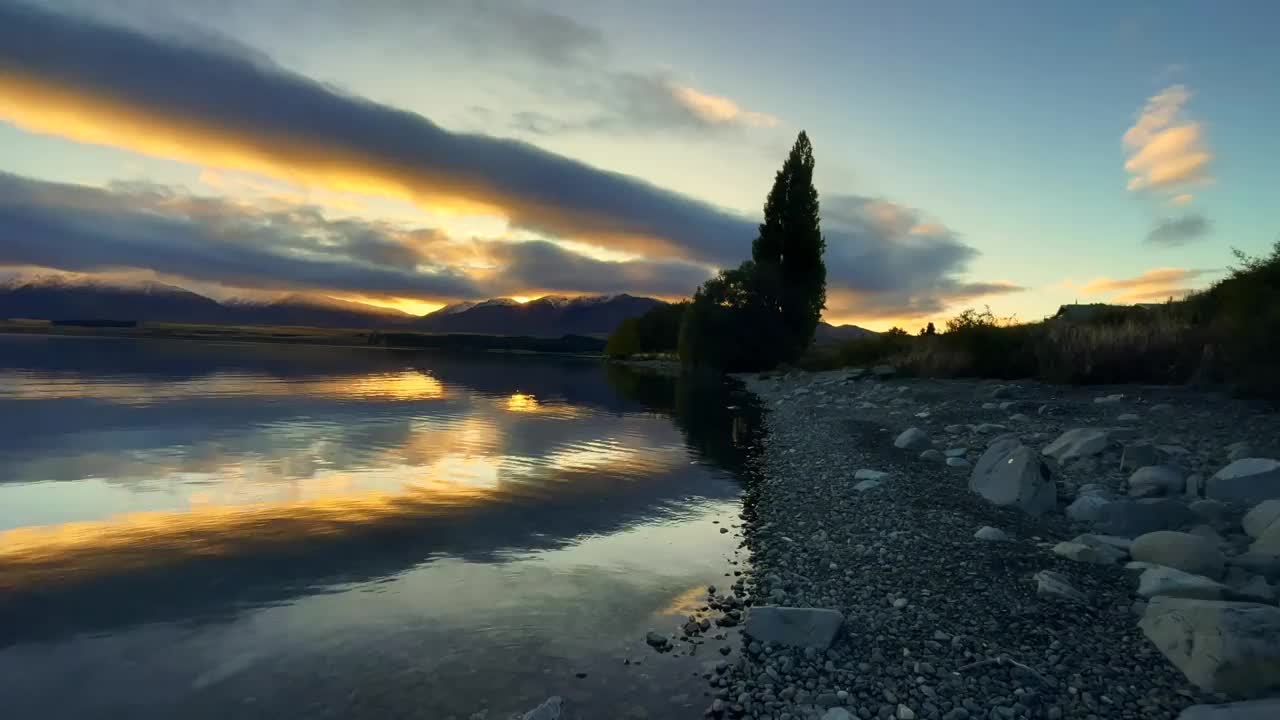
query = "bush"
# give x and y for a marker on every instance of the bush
(625, 340)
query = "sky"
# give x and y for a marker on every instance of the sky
(416, 153)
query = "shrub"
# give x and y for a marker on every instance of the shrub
(625, 340)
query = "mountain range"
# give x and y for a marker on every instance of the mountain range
(64, 298)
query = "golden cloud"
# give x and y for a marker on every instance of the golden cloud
(1167, 152)
(1153, 285)
(721, 110)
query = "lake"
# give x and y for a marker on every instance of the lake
(204, 530)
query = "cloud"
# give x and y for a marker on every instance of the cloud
(1172, 232)
(104, 85)
(890, 260)
(139, 226)
(1167, 152)
(1153, 285)
(107, 85)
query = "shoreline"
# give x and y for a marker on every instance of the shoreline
(938, 623)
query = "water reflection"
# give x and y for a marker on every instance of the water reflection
(151, 483)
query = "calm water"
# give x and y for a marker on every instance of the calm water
(200, 530)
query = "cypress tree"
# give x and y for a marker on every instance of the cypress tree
(792, 280)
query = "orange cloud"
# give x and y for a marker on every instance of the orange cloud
(721, 110)
(1166, 151)
(1153, 285)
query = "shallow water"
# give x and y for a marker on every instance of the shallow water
(216, 530)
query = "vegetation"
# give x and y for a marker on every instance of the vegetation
(656, 332)
(1229, 333)
(765, 311)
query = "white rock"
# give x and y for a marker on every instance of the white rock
(1056, 585)
(1184, 551)
(1261, 517)
(906, 713)
(1109, 399)
(1226, 647)
(1096, 555)
(866, 485)
(1019, 418)
(957, 462)
(795, 627)
(550, 709)
(1249, 480)
(1247, 710)
(991, 534)
(1087, 508)
(867, 474)
(1010, 474)
(955, 452)
(1156, 481)
(1077, 443)
(1160, 581)
(931, 455)
(1123, 544)
(912, 439)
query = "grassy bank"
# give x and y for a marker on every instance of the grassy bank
(1227, 335)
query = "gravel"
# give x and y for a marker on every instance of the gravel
(940, 624)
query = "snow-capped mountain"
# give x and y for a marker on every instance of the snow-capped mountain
(550, 316)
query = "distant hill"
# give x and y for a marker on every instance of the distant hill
(64, 298)
(828, 333)
(550, 316)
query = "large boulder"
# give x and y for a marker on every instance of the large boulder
(1136, 455)
(1156, 481)
(796, 627)
(1160, 581)
(1250, 480)
(912, 439)
(1077, 443)
(1247, 710)
(1094, 554)
(1261, 517)
(1268, 543)
(1184, 551)
(1131, 518)
(1227, 647)
(1011, 474)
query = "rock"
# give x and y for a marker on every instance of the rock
(1138, 455)
(1087, 508)
(1184, 551)
(1131, 518)
(1097, 555)
(883, 372)
(912, 439)
(1248, 480)
(866, 485)
(865, 474)
(1254, 588)
(955, 452)
(1077, 443)
(837, 713)
(991, 534)
(1095, 489)
(1239, 451)
(1123, 544)
(656, 640)
(1055, 585)
(550, 709)
(1156, 481)
(1109, 399)
(1247, 710)
(1261, 517)
(931, 455)
(1268, 543)
(1128, 417)
(985, 428)
(796, 627)
(957, 462)
(1010, 474)
(1162, 581)
(1210, 511)
(1268, 566)
(1020, 418)
(1195, 485)
(906, 713)
(1227, 647)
